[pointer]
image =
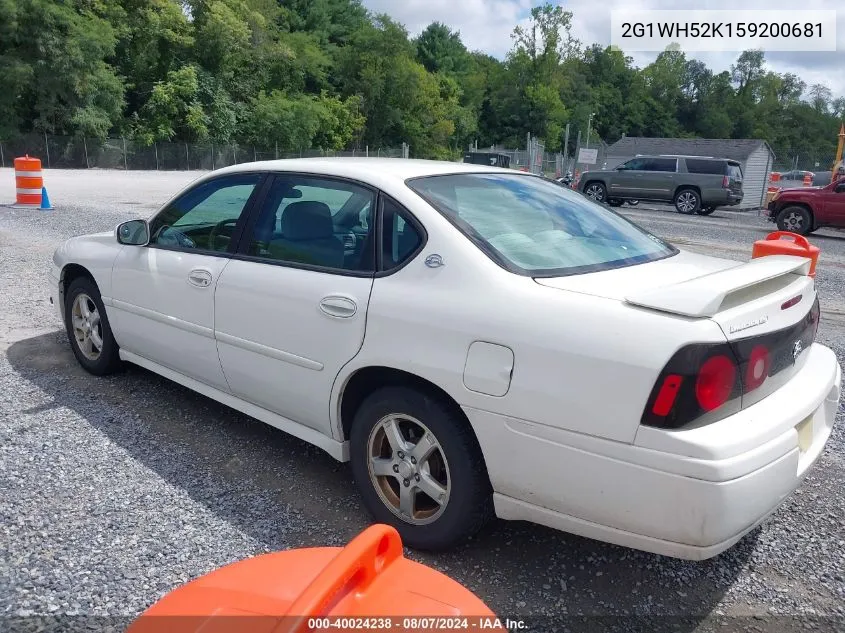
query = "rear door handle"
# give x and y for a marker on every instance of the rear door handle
(200, 277)
(338, 307)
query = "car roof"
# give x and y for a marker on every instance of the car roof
(364, 169)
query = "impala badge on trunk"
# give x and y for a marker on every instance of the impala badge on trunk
(797, 348)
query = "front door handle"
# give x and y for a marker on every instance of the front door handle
(200, 277)
(339, 307)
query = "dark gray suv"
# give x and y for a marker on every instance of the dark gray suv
(694, 184)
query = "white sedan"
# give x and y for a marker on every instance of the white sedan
(476, 342)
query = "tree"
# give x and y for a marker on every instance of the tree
(820, 97)
(56, 75)
(441, 50)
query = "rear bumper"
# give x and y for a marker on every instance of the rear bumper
(688, 494)
(721, 197)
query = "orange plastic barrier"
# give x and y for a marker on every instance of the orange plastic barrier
(774, 176)
(786, 243)
(28, 181)
(808, 180)
(368, 584)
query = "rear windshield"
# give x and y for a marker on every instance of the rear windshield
(534, 227)
(734, 171)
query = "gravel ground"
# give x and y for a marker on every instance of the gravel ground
(117, 490)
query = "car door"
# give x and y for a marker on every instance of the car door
(833, 201)
(626, 181)
(163, 293)
(658, 179)
(291, 307)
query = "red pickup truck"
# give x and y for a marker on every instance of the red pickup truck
(803, 210)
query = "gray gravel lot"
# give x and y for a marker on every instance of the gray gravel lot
(114, 491)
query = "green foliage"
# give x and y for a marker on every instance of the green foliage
(328, 74)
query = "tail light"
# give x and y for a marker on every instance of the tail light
(726, 182)
(708, 382)
(700, 379)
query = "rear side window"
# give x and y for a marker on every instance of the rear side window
(400, 240)
(701, 166)
(661, 164)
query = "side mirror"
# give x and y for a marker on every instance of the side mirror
(133, 233)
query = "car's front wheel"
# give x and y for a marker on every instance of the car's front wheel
(418, 467)
(687, 201)
(88, 328)
(596, 190)
(795, 220)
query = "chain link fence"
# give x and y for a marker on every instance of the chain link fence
(67, 152)
(793, 165)
(550, 164)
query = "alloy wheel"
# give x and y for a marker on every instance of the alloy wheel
(793, 222)
(687, 202)
(408, 469)
(87, 326)
(595, 192)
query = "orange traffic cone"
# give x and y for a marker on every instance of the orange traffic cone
(368, 584)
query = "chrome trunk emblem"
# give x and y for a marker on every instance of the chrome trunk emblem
(797, 348)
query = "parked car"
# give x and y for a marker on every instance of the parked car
(474, 341)
(694, 184)
(796, 174)
(806, 209)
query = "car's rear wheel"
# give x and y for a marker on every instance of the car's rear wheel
(596, 190)
(88, 328)
(687, 201)
(418, 467)
(706, 210)
(795, 220)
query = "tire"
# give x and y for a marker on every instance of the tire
(615, 203)
(633, 203)
(706, 210)
(596, 191)
(456, 465)
(94, 327)
(687, 201)
(796, 220)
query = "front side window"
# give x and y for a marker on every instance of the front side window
(537, 228)
(315, 222)
(204, 218)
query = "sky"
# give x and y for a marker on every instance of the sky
(486, 25)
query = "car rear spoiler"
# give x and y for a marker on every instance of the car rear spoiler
(704, 296)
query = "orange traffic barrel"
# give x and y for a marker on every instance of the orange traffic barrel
(786, 243)
(808, 180)
(367, 584)
(774, 176)
(28, 182)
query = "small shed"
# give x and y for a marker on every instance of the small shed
(754, 155)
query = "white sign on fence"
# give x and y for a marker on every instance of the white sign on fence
(588, 156)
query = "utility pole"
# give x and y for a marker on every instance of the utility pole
(589, 121)
(566, 143)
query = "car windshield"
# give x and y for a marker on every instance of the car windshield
(534, 227)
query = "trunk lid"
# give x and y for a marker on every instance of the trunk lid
(769, 301)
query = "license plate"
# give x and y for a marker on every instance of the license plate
(805, 434)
